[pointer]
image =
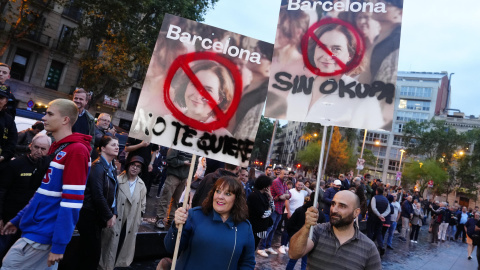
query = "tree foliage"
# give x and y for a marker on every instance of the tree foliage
(430, 169)
(123, 34)
(23, 18)
(433, 140)
(262, 141)
(450, 149)
(337, 158)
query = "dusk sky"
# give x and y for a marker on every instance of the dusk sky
(437, 35)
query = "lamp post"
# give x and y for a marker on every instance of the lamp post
(400, 166)
(401, 157)
(377, 143)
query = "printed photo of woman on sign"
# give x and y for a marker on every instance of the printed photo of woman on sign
(204, 91)
(346, 74)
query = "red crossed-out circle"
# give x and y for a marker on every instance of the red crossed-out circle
(222, 117)
(344, 67)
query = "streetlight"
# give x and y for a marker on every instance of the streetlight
(400, 166)
(377, 143)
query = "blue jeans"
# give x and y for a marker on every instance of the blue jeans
(266, 242)
(452, 229)
(390, 232)
(291, 263)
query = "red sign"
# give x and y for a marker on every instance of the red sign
(110, 101)
(222, 117)
(345, 67)
(430, 183)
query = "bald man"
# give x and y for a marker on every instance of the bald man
(342, 232)
(17, 186)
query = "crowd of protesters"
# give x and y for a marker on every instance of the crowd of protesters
(68, 178)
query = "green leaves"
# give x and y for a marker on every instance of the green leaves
(124, 34)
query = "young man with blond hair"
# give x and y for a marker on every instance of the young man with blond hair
(48, 221)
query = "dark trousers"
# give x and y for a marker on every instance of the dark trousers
(435, 227)
(374, 230)
(414, 233)
(460, 230)
(257, 240)
(478, 257)
(90, 242)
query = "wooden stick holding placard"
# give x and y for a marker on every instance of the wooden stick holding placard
(320, 163)
(185, 205)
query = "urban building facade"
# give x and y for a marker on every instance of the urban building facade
(44, 67)
(419, 96)
(288, 144)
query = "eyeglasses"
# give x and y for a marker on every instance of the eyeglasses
(136, 166)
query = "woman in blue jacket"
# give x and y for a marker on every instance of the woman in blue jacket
(216, 235)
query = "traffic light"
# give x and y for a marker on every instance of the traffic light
(298, 165)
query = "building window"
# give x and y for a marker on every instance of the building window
(416, 116)
(373, 137)
(19, 64)
(65, 39)
(393, 165)
(412, 91)
(399, 128)
(377, 150)
(54, 75)
(397, 140)
(133, 99)
(414, 105)
(380, 163)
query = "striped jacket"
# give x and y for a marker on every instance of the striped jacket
(52, 213)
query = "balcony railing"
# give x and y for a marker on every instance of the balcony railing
(63, 45)
(38, 37)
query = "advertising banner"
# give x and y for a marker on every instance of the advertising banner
(204, 91)
(335, 63)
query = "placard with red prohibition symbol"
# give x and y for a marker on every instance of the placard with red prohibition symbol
(204, 91)
(335, 63)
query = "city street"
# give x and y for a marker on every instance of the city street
(423, 255)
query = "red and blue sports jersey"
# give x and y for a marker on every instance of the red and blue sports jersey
(52, 213)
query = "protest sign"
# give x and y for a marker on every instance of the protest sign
(335, 63)
(204, 91)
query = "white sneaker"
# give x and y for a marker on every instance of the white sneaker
(415, 242)
(411, 241)
(271, 251)
(262, 253)
(281, 249)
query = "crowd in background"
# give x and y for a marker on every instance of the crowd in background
(226, 202)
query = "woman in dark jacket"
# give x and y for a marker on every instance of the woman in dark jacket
(260, 207)
(99, 210)
(216, 235)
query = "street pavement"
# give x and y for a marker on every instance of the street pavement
(447, 255)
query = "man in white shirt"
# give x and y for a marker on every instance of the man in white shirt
(397, 209)
(297, 198)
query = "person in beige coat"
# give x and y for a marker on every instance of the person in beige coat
(416, 222)
(118, 243)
